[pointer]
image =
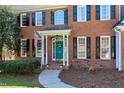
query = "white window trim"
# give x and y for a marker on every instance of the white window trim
(85, 47)
(21, 19)
(21, 48)
(108, 13)
(36, 49)
(36, 13)
(55, 17)
(79, 14)
(109, 47)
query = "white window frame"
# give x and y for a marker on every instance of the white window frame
(109, 13)
(37, 49)
(84, 37)
(78, 14)
(102, 47)
(55, 17)
(36, 13)
(21, 21)
(22, 48)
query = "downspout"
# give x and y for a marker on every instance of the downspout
(118, 49)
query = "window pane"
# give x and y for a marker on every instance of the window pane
(59, 17)
(24, 19)
(81, 15)
(105, 12)
(39, 18)
(105, 48)
(39, 50)
(81, 47)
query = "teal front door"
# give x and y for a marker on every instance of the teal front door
(59, 50)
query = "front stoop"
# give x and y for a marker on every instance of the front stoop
(54, 66)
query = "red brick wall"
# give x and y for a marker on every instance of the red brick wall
(91, 28)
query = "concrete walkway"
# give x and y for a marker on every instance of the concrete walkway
(49, 79)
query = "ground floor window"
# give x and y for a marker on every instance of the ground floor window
(81, 47)
(23, 47)
(38, 48)
(105, 52)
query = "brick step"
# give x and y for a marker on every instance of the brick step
(54, 65)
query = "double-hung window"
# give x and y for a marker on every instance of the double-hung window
(81, 47)
(59, 17)
(38, 19)
(105, 12)
(105, 52)
(23, 47)
(81, 13)
(24, 19)
(38, 48)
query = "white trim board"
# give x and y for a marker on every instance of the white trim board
(55, 32)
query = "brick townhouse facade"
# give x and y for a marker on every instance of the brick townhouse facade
(70, 35)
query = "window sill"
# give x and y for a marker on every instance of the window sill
(23, 26)
(105, 59)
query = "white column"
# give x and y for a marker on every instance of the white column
(120, 65)
(63, 49)
(67, 52)
(46, 51)
(42, 44)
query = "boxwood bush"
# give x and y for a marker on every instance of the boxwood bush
(19, 66)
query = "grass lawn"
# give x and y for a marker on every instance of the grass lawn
(19, 81)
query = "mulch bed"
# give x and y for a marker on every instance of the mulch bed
(104, 78)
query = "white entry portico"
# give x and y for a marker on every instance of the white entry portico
(44, 34)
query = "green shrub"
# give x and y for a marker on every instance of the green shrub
(19, 66)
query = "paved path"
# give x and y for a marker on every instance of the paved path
(49, 79)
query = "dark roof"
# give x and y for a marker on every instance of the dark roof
(119, 23)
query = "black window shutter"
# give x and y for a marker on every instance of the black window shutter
(52, 17)
(33, 48)
(88, 12)
(113, 12)
(18, 47)
(113, 47)
(33, 19)
(97, 47)
(66, 16)
(88, 47)
(27, 20)
(74, 13)
(75, 47)
(18, 19)
(28, 47)
(97, 12)
(43, 18)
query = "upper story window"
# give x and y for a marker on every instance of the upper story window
(59, 17)
(81, 13)
(105, 12)
(38, 19)
(24, 19)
